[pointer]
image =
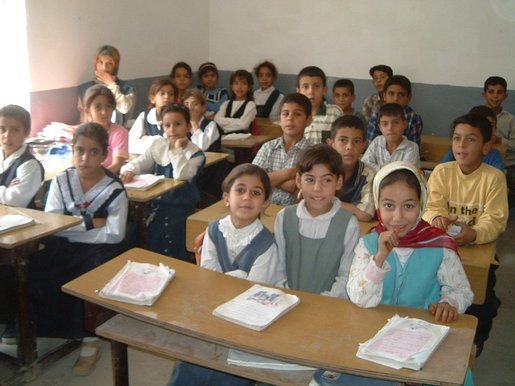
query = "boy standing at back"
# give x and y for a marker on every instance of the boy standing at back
(348, 139)
(312, 82)
(343, 97)
(391, 145)
(278, 157)
(470, 198)
(397, 89)
(380, 75)
(495, 93)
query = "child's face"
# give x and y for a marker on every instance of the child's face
(399, 206)
(240, 88)
(392, 127)
(265, 78)
(100, 111)
(397, 94)
(164, 96)
(349, 142)
(182, 79)
(495, 95)
(197, 109)
(88, 156)
(318, 187)
(468, 147)
(105, 63)
(13, 135)
(175, 126)
(209, 80)
(312, 87)
(379, 78)
(246, 200)
(343, 98)
(293, 120)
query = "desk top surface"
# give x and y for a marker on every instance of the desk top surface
(320, 332)
(248, 142)
(214, 157)
(155, 191)
(45, 224)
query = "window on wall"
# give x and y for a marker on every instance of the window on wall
(14, 67)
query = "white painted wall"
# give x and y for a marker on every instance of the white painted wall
(459, 42)
(151, 36)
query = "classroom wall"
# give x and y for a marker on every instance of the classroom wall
(447, 48)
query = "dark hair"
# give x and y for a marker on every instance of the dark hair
(195, 93)
(299, 99)
(392, 110)
(178, 65)
(206, 67)
(93, 131)
(346, 83)
(381, 67)
(247, 169)
(268, 65)
(401, 175)
(494, 81)
(484, 111)
(247, 77)
(157, 84)
(98, 90)
(312, 71)
(350, 121)
(320, 154)
(177, 108)
(18, 113)
(478, 121)
(399, 80)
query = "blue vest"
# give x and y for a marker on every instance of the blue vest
(414, 285)
(247, 256)
(215, 146)
(151, 129)
(7, 176)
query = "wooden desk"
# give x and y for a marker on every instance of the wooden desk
(243, 147)
(265, 126)
(321, 332)
(15, 248)
(139, 201)
(476, 259)
(213, 158)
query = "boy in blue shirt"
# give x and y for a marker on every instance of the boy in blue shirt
(397, 89)
(215, 96)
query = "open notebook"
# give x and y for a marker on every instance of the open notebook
(10, 222)
(144, 182)
(257, 308)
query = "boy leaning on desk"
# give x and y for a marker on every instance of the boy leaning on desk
(21, 175)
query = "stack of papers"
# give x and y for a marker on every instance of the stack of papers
(403, 342)
(238, 358)
(144, 182)
(138, 283)
(236, 136)
(257, 307)
(10, 222)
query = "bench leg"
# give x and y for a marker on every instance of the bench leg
(120, 363)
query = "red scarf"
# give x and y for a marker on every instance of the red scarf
(422, 236)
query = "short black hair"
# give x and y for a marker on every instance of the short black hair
(399, 80)
(18, 113)
(350, 121)
(247, 76)
(177, 108)
(320, 154)
(391, 110)
(347, 83)
(404, 175)
(206, 67)
(312, 71)
(297, 98)
(484, 111)
(477, 121)
(184, 65)
(381, 67)
(93, 131)
(268, 65)
(494, 81)
(247, 169)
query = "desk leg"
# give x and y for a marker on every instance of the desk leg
(120, 363)
(137, 214)
(242, 155)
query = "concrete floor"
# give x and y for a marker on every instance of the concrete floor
(495, 367)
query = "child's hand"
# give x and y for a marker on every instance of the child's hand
(387, 240)
(104, 77)
(127, 176)
(14, 182)
(99, 222)
(443, 312)
(443, 222)
(181, 143)
(466, 236)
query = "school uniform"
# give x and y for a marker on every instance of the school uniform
(377, 155)
(214, 98)
(167, 227)
(75, 251)
(145, 130)
(208, 136)
(320, 128)
(236, 116)
(268, 102)
(357, 190)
